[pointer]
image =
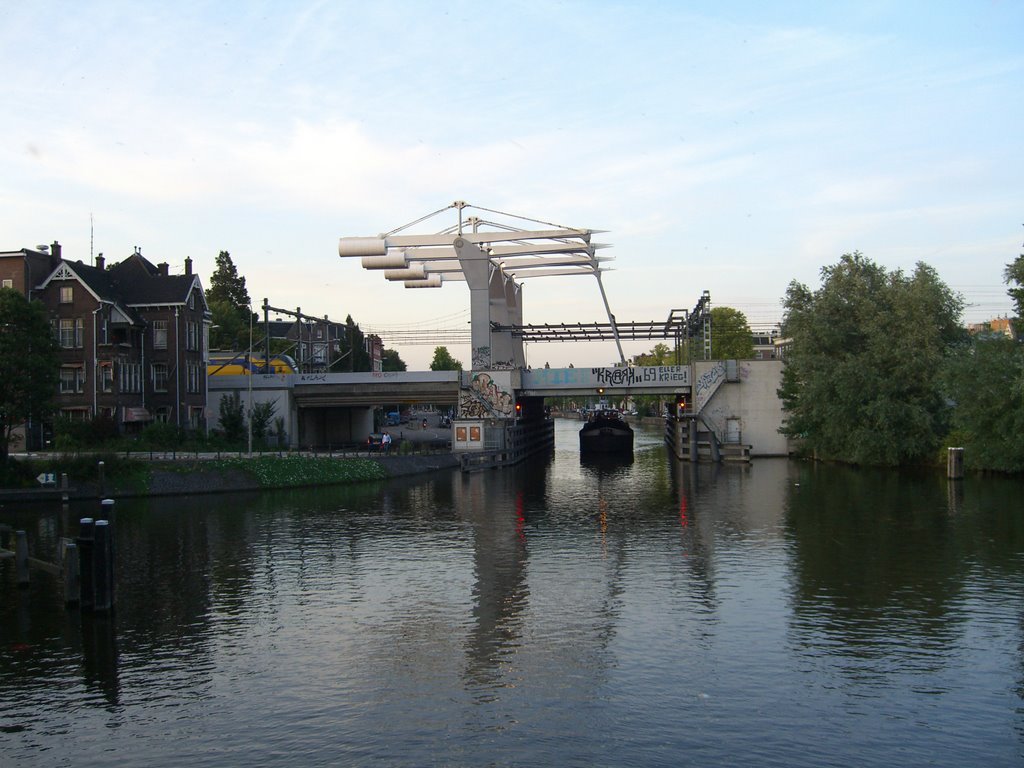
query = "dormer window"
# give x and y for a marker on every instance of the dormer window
(67, 294)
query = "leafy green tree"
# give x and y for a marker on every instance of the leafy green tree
(661, 355)
(390, 361)
(986, 383)
(354, 347)
(731, 337)
(226, 284)
(443, 361)
(862, 381)
(232, 417)
(30, 364)
(228, 300)
(1014, 274)
(230, 328)
(260, 416)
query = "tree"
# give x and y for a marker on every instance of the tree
(731, 337)
(661, 355)
(230, 328)
(354, 344)
(390, 361)
(226, 284)
(229, 303)
(986, 383)
(1014, 273)
(31, 364)
(260, 417)
(232, 417)
(862, 379)
(443, 361)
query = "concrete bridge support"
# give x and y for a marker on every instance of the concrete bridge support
(494, 299)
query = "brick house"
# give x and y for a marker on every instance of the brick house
(25, 268)
(132, 341)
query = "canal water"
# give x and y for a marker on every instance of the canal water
(565, 612)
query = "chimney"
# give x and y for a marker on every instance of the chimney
(188, 266)
(55, 250)
(162, 267)
(100, 261)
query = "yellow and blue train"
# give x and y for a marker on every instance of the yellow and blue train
(240, 364)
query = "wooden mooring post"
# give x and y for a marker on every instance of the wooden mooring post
(95, 553)
(23, 562)
(86, 564)
(955, 463)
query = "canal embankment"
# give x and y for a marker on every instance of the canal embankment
(191, 476)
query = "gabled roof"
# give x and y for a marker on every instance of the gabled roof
(134, 267)
(134, 282)
(172, 289)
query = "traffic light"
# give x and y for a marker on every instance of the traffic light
(519, 410)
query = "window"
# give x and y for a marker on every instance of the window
(160, 377)
(67, 333)
(191, 335)
(8, 283)
(130, 377)
(104, 328)
(67, 294)
(72, 379)
(160, 334)
(163, 414)
(195, 377)
(79, 332)
(192, 300)
(106, 377)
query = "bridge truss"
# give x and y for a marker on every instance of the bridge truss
(682, 327)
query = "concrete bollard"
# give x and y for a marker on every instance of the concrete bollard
(954, 463)
(100, 467)
(86, 533)
(102, 566)
(21, 557)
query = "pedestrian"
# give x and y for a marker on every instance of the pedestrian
(385, 443)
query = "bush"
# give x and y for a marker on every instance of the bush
(17, 474)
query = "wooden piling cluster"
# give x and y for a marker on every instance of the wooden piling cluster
(86, 565)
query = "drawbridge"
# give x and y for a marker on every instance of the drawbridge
(494, 254)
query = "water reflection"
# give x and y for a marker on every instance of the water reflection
(606, 611)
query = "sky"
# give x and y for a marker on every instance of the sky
(728, 147)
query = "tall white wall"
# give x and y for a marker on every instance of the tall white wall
(753, 400)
